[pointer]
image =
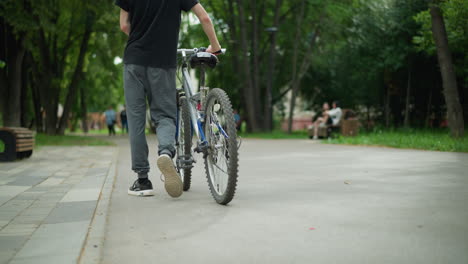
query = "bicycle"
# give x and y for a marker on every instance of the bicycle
(208, 114)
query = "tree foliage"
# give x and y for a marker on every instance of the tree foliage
(70, 44)
(376, 55)
(367, 53)
(456, 17)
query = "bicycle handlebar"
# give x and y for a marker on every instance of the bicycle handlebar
(195, 50)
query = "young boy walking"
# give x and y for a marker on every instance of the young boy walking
(150, 75)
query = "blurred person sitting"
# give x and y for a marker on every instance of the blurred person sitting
(330, 117)
(335, 114)
(321, 119)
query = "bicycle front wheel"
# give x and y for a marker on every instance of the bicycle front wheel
(221, 159)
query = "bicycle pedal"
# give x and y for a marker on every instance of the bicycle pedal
(201, 148)
(198, 149)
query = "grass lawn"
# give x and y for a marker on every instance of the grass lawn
(104, 131)
(91, 132)
(438, 140)
(68, 140)
(276, 134)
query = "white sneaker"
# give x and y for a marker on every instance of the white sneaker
(172, 182)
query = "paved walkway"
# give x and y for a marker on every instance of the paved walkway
(47, 203)
(300, 202)
(297, 202)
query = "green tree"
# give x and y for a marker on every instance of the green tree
(58, 37)
(443, 38)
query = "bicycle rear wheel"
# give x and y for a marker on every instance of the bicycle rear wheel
(221, 159)
(184, 144)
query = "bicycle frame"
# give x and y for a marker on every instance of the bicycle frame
(195, 116)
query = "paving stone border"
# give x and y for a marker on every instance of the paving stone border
(94, 244)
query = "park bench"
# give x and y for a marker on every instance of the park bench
(348, 126)
(18, 143)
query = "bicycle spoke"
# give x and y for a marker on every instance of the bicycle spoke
(219, 157)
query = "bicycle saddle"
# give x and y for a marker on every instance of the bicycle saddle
(203, 59)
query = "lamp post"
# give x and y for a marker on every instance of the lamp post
(268, 104)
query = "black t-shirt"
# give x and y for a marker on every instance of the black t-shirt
(154, 31)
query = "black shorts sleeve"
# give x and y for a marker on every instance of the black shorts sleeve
(124, 4)
(187, 5)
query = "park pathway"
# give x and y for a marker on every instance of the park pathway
(300, 202)
(48, 202)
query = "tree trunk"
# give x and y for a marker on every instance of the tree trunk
(429, 110)
(294, 83)
(11, 76)
(73, 122)
(36, 100)
(387, 87)
(368, 118)
(3, 86)
(51, 118)
(454, 109)
(47, 82)
(13, 113)
(84, 108)
(234, 39)
(255, 65)
(268, 125)
(252, 123)
(24, 92)
(72, 89)
(406, 122)
(38, 121)
(387, 107)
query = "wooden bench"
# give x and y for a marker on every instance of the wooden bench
(18, 141)
(348, 126)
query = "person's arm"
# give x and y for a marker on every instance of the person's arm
(207, 27)
(124, 23)
(332, 112)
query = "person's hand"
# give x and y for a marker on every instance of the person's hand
(214, 50)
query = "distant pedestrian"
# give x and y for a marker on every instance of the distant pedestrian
(237, 119)
(123, 119)
(110, 120)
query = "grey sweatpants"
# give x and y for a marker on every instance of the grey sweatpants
(158, 87)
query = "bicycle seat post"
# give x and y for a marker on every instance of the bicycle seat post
(202, 77)
(203, 88)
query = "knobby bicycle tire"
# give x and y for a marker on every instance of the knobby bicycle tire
(230, 128)
(186, 147)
